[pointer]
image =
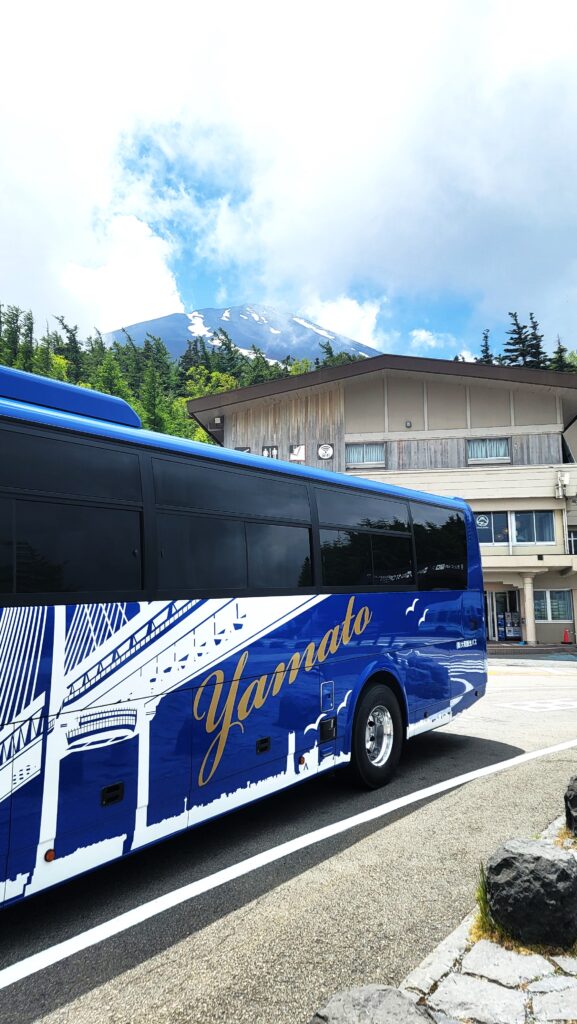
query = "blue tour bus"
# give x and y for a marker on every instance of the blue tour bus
(185, 629)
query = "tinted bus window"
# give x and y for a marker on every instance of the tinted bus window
(31, 462)
(441, 546)
(341, 508)
(279, 557)
(346, 558)
(392, 561)
(194, 485)
(351, 558)
(73, 548)
(197, 553)
(6, 548)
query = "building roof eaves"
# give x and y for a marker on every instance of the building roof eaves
(414, 364)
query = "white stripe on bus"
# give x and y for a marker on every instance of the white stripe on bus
(62, 950)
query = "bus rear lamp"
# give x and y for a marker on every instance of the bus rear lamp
(50, 855)
(302, 759)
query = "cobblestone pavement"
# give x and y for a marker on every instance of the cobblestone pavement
(463, 981)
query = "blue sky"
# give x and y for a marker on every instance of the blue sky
(400, 173)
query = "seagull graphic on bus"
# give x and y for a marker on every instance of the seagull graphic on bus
(313, 726)
(412, 607)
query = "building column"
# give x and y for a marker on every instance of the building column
(530, 631)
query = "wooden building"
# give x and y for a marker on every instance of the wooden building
(504, 438)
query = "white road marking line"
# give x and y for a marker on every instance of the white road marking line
(61, 951)
(538, 706)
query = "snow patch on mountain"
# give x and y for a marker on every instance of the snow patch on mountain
(197, 326)
(311, 327)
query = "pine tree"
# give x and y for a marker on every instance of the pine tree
(559, 361)
(517, 350)
(153, 400)
(42, 362)
(537, 355)
(226, 357)
(189, 358)
(130, 358)
(94, 354)
(332, 358)
(71, 350)
(486, 356)
(258, 369)
(108, 378)
(10, 335)
(25, 357)
(156, 352)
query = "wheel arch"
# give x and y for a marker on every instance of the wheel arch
(386, 678)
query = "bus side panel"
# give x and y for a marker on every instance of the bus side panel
(250, 715)
(96, 799)
(166, 798)
(178, 711)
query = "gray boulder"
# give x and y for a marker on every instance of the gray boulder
(532, 892)
(571, 805)
(372, 1004)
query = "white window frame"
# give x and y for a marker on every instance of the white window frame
(572, 540)
(488, 458)
(367, 462)
(547, 593)
(530, 543)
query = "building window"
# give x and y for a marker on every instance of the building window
(534, 528)
(488, 449)
(492, 527)
(553, 606)
(573, 542)
(365, 454)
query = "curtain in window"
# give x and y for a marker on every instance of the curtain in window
(488, 448)
(357, 454)
(354, 454)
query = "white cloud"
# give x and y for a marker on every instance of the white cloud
(130, 279)
(413, 148)
(423, 340)
(356, 320)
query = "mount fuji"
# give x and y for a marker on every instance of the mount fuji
(276, 334)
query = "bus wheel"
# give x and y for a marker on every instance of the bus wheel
(377, 736)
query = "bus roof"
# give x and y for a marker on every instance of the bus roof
(55, 394)
(97, 415)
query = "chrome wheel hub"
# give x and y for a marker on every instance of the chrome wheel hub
(379, 735)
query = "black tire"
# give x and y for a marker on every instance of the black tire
(378, 715)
